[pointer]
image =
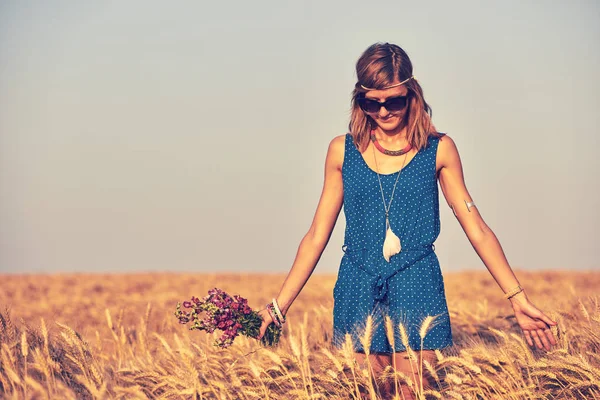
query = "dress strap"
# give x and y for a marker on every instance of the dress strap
(349, 150)
(349, 144)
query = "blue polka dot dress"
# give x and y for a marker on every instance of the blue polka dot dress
(409, 287)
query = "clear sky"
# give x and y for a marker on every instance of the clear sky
(191, 135)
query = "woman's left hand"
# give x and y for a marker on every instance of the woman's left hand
(534, 323)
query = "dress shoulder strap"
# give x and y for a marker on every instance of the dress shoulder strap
(350, 150)
(434, 141)
(348, 141)
(433, 146)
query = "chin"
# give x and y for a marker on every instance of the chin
(389, 125)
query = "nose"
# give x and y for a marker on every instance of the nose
(383, 112)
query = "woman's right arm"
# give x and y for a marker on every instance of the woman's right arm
(314, 242)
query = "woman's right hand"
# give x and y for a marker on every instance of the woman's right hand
(267, 320)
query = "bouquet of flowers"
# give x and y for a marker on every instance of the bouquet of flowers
(230, 314)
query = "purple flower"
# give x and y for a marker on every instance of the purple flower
(229, 314)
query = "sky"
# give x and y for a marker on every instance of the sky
(191, 135)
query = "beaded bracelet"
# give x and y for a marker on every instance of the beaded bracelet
(278, 311)
(278, 322)
(273, 315)
(274, 307)
(513, 292)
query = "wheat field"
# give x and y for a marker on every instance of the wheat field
(114, 336)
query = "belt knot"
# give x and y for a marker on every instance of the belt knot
(380, 270)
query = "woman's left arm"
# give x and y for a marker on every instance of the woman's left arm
(533, 322)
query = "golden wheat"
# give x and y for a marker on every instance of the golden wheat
(139, 351)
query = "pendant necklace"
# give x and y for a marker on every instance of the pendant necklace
(392, 244)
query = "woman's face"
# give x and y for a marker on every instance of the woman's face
(388, 120)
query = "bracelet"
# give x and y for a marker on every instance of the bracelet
(279, 318)
(278, 311)
(274, 311)
(273, 316)
(513, 292)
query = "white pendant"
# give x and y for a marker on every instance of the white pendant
(391, 245)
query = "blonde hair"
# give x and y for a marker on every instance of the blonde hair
(382, 65)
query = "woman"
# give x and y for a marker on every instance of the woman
(385, 173)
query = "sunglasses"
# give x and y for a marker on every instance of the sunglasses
(393, 104)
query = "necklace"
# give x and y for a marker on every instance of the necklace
(392, 244)
(389, 152)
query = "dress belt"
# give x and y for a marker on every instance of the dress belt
(380, 271)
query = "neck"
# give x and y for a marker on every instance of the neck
(397, 135)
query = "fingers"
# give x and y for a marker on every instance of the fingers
(545, 333)
(263, 329)
(546, 319)
(536, 339)
(264, 325)
(547, 336)
(550, 336)
(534, 312)
(544, 339)
(542, 335)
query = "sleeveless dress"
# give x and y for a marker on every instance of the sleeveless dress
(409, 287)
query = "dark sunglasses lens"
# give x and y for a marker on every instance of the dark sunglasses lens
(368, 105)
(396, 104)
